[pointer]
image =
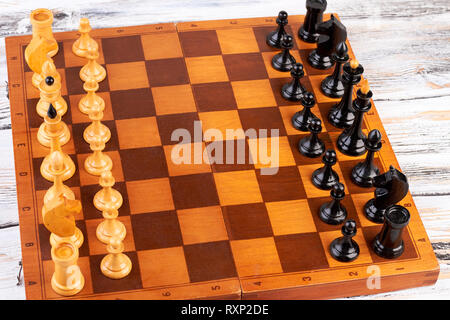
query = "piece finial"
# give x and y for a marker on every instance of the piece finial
(365, 88)
(354, 63)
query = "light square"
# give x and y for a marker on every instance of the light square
(222, 120)
(149, 195)
(288, 112)
(148, 135)
(261, 151)
(173, 99)
(200, 225)
(175, 161)
(161, 46)
(256, 257)
(206, 69)
(240, 40)
(119, 75)
(316, 82)
(253, 94)
(271, 71)
(79, 117)
(289, 217)
(311, 190)
(88, 179)
(238, 187)
(360, 200)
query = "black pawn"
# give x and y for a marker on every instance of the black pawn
(332, 85)
(364, 172)
(314, 16)
(51, 112)
(284, 61)
(345, 249)
(389, 243)
(325, 178)
(49, 81)
(294, 90)
(311, 146)
(352, 140)
(274, 38)
(302, 118)
(334, 212)
(341, 115)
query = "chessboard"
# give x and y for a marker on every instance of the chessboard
(203, 231)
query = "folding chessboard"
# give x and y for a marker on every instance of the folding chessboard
(202, 230)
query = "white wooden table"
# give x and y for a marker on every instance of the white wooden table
(404, 46)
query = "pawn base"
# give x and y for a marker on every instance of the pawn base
(332, 88)
(351, 147)
(337, 252)
(64, 290)
(318, 62)
(273, 40)
(115, 201)
(333, 218)
(281, 64)
(372, 213)
(90, 135)
(98, 73)
(95, 167)
(45, 139)
(315, 152)
(288, 93)
(300, 123)
(85, 105)
(320, 183)
(387, 253)
(307, 36)
(363, 177)
(104, 233)
(339, 119)
(48, 174)
(108, 262)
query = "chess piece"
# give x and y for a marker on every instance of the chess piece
(341, 115)
(311, 146)
(97, 162)
(314, 16)
(58, 216)
(334, 212)
(332, 85)
(116, 264)
(67, 280)
(391, 187)
(389, 243)
(110, 227)
(332, 32)
(345, 249)
(107, 197)
(96, 130)
(36, 53)
(53, 126)
(284, 61)
(80, 46)
(324, 178)
(352, 140)
(301, 118)
(294, 90)
(58, 188)
(274, 38)
(363, 173)
(91, 99)
(50, 93)
(92, 70)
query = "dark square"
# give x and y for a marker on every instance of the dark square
(193, 191)
(143, 163)
(304, 54)
(167, 72)
(199, 43)
(156, 230)
(409, 253)
(122, 49)
(34, 120)
(316, 203)
(262, 118)
(278, 83)
(301, 252)
(87, 196)
(247, 221)
(74, 83)
(102, 284)
(40, 183)
(136, 103)
(58, 59)
(245, 66)
(44, 241)
(262, 32)
(81, 146)
(230, 155)
(215, 96)
(285, 185)
(301, 159)
(169, 123)
(347, 167)
(209, 261)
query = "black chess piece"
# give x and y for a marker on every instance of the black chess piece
(284, 61)
(352, 140)
(341, 115)
(314, 16)
(334, 212)
(389, 243)
(294, 90)
(332, 32)
(301, 119)
(51, 112)
(49, 80)
(364, 172)
(311, 146)
(332, 85)
(345, 249)
(274, 38)
(391, 187)
(325, 178)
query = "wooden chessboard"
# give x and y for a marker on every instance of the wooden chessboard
(202, 230)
